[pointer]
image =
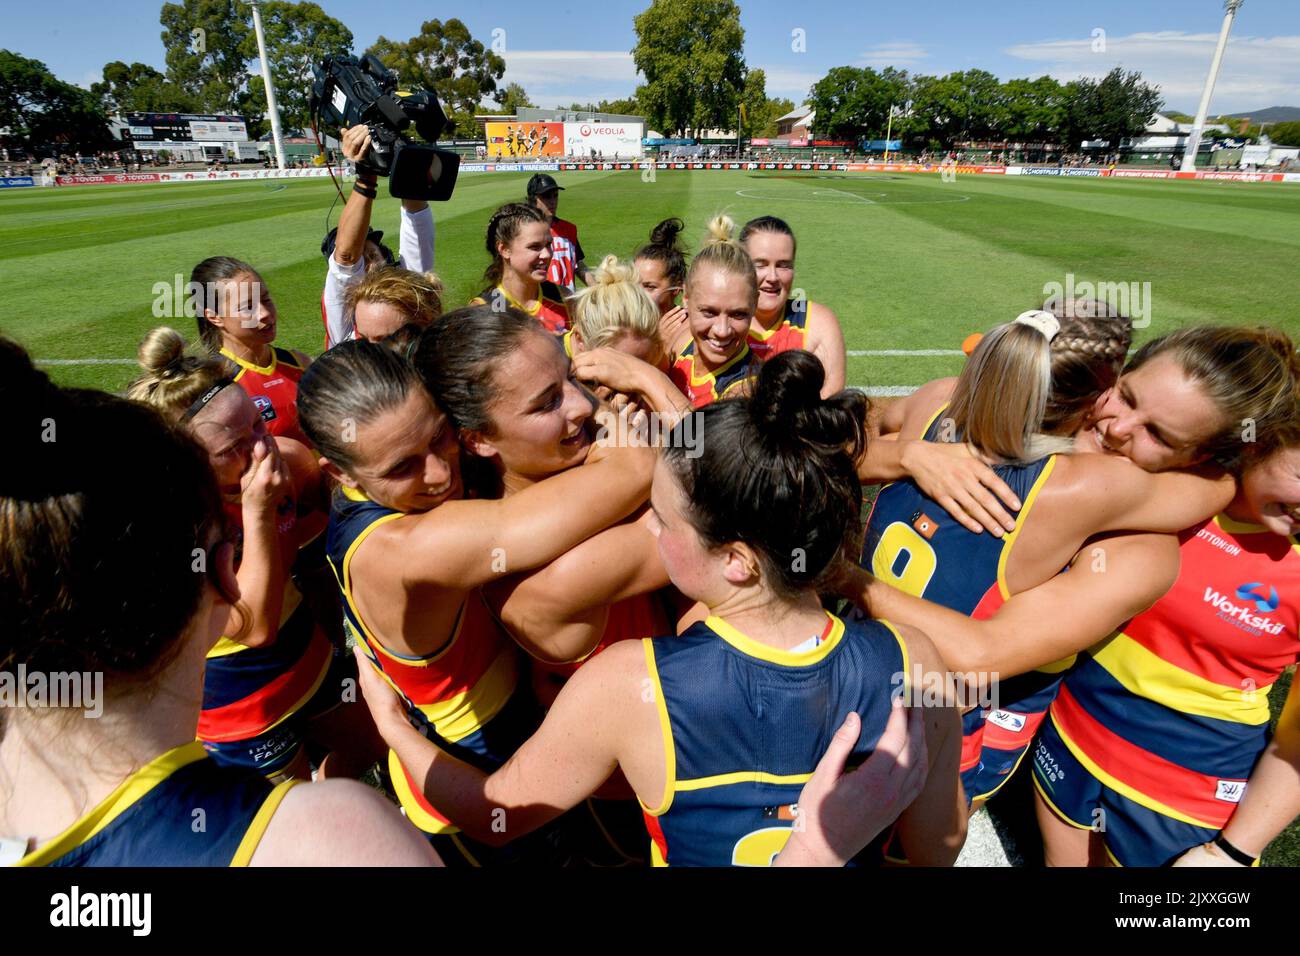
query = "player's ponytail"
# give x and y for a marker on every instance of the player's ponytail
(172, 377)
(1000, 400)
(776, 471)
(1250, 374)
(502, 229)
(613, 305)
(663, 248)
(722, 252)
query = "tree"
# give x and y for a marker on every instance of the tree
(139, 88)
(961, 106)
(513, 97)
(689, 52)
(41, 110)
(1284, 134)
(204, 43)
(1119, 106)
(298, 35)
(852, 102)
(625, 107)
(1034, 110)
(445, 59)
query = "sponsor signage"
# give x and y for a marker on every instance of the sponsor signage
(108, 179)
(518, 139)
(610, 140)
(13, 182)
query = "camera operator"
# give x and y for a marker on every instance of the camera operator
(354, 248)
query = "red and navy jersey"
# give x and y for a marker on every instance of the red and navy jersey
(274, 390)
(249, 690)
(550, 310)
(149, 820)
(915, 545)
(790, 333)
(705, 387)
(912, 543)
(1172, 710)
(453, 692)
(745, 724)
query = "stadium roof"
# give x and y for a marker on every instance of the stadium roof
(799, 112)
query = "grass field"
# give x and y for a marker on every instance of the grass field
(909, 263)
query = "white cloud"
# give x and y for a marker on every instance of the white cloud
(560, 77)
(790, 84)
(902, 54)
(1257, 71)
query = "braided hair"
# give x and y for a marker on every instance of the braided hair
(1087, 355)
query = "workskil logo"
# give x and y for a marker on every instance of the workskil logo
(1240, 616)
(1254, 592)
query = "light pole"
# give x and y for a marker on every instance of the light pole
(272, 108)
(1194, 140)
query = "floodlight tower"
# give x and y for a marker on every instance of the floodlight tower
(272, 108)
(1194, 140)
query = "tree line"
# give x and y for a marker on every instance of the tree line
(689, 54)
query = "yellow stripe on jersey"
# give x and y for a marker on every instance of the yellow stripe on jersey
(1147, 675)
(747, 645)
(711, 378)
(126, 795)
(1119, 786)
(740, 776)
(907, 665)
(245, 365)
(457, 717)
(292, 599)
(670, 752)
(1010, 541)
(253, 835)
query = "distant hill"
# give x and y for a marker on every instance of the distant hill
(1274, 114)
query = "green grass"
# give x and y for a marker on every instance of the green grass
(907, 261)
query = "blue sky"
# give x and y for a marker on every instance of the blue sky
(566, 50)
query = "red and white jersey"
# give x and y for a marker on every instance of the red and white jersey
(566, 253)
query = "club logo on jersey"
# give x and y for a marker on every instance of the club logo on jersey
(1240, 616)
(264, 408)
(1254, 592)
(924, 525)
(1230, 791)
(1007, 720)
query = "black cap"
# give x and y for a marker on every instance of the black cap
(541, 183)
(372, 235)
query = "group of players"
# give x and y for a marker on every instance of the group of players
(574, 648)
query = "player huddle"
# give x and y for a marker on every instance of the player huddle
(575, 647)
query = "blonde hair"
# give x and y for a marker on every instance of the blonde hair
(722, 251)
(1022, 396)
(418, 295)
(173, 376)
(613, 305)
